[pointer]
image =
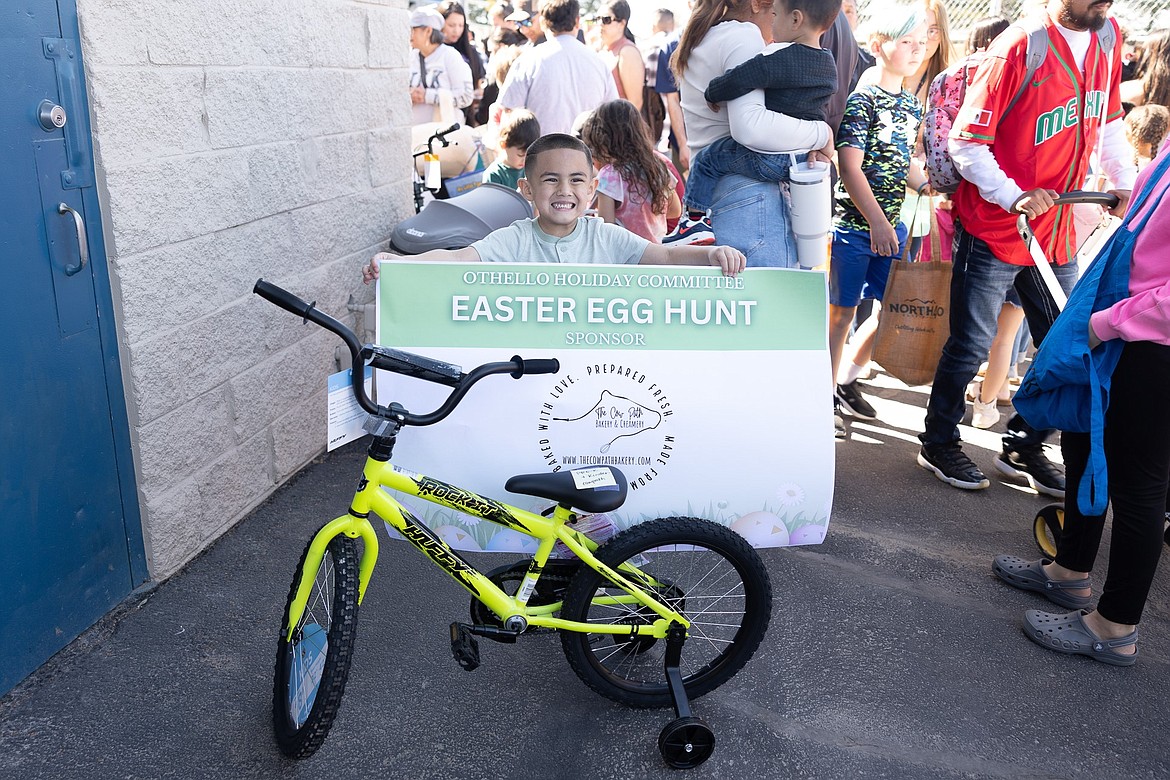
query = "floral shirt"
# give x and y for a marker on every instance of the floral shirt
(633, 210)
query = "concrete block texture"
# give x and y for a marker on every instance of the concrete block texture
(235, 141)
(194, 512)
(143, 113)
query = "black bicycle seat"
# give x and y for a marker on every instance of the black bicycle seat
(591, 489)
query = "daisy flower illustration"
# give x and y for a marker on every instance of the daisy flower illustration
(790, 494)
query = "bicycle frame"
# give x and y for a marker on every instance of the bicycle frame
(548, 530)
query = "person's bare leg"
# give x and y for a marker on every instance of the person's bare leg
(999, 359)
(860, 348)
(840, 319)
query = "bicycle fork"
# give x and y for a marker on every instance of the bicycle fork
(353, 526)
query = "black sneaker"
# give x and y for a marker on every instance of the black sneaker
(854, 403)
(1033, 466)
(838, 423)
(950, 464)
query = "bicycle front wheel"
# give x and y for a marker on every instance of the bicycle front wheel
(312, 668)
(706, 572)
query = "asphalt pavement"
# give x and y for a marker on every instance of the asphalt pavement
(893, 652)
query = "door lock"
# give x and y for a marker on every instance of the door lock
(52, 116)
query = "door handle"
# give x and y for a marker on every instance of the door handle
(82, 244)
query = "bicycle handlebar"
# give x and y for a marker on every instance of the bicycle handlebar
(1106, 199)
(438, 135)
(401, 362)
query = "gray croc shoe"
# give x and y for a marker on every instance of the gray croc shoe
(1068, 634)
(1029, 575)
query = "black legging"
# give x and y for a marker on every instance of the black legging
(1137, 450)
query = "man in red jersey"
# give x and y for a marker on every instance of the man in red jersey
(1015, 162)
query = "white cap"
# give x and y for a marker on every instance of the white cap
(427, 16)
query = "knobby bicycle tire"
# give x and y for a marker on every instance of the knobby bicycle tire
(710, 574)
(311, 673)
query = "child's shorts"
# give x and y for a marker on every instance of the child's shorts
(857, 272)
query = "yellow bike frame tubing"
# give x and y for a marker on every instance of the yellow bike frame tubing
(548, 531)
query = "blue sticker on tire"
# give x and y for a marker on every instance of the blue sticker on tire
(305, 667)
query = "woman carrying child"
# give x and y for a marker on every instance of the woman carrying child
(747, 214)
(635, 188)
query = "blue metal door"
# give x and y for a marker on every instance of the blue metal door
(70, 533)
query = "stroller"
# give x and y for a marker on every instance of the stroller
(1049, 521)
(468, 212)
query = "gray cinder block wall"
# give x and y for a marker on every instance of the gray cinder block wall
(236, 140)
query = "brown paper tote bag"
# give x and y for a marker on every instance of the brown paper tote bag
(915, 321)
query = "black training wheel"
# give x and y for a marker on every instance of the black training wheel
(686, 742)
(1047, 527)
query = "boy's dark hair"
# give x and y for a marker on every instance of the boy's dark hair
(519, 130)
(560, 16)
(546, 143)
(820, 13)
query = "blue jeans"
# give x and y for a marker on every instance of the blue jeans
(978, 286)
(725, 157)
(753, 217)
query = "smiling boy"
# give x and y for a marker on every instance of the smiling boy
(560, 182)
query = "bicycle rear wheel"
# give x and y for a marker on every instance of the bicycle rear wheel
(311, 670)
(708, 573)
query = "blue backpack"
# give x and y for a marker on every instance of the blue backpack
(1067, 386)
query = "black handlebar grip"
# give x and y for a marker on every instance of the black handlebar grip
(538, 366)
(449, 130)
(282, 298)
(1106, 199)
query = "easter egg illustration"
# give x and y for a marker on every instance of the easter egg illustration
(762, 529)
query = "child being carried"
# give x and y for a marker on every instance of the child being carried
(798, 78)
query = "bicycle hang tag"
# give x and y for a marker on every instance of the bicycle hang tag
(434, 171)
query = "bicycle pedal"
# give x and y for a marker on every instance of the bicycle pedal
(464, 647)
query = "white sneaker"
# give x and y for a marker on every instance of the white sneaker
(986, 414)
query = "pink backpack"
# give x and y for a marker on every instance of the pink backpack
(942, 106)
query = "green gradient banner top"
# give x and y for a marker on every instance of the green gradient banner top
(527, 305)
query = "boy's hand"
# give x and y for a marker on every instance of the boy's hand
(370, 270)
(883, 239)
(728, 258)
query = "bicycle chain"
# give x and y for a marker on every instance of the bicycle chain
(550, 588)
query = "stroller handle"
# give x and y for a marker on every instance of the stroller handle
(1106, 199)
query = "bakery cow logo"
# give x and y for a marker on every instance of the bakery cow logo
(607, 414)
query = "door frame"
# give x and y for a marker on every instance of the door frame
(115, 379)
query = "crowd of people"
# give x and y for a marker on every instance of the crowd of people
(683, 148)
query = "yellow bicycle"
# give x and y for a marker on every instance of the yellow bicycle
(663, 612)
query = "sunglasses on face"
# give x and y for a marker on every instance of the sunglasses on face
(607, 20)
(525, 23)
